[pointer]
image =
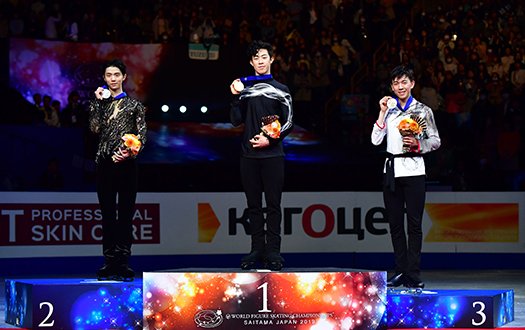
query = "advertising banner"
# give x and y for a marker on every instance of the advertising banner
(69, 224)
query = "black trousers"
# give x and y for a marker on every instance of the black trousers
(117, 192)
(409, 196)
(258, 176)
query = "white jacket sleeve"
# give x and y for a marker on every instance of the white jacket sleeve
(432, 141)
(378, 133)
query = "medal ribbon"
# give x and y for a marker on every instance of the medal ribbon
(409, 102)
(121, 95)
(251, 80)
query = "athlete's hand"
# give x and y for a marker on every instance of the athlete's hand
(259, 141)
(382, 103)
(120, 155)
(232, 86)
(98, 93)
(411, 142)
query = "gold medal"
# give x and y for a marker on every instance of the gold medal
(238, 86)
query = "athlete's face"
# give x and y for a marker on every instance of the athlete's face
(261, 62)
(402, 87)
(114, 78)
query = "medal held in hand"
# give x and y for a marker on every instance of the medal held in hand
(106, 93)
(391, 103)
(238, 86)
(271, 126)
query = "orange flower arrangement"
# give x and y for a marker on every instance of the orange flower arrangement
(131, 143)
(409, 126)
(271, 126)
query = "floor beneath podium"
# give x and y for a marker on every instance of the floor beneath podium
(475, 279)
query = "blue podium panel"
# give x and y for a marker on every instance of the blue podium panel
(449, 308)
(265, 300)
(73, 304)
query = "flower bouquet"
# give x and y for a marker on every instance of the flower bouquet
(271, 126)
(131, 143)
(411, 126)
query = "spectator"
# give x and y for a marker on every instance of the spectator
(329, 13)
(313, 15)
(507, 59)
(266, 27)
(444, 43)
(495, 88)
(344, 52)
(497, 68)
(37, 101)
(295, 10)
(46, 107)
(429, 95)
(161, 27)
(53, 116)
(51, 31)
(451, 64)
(71, 28)
(206, 32)
(480, 47)
(245, 36)
(40, 112)
(89, 27)
(73, 115)
(281, 21)
(517, 77)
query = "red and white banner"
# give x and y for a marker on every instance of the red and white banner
(69, 224)
(64, 224)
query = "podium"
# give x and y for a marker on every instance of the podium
(449, 308)
(73, 304)
(333, 299)
(197, 299)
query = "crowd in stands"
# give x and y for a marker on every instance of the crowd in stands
(319, 44)
(469, 58)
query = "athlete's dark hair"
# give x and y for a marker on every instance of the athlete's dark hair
(117, 64)
(400, 71)
(257, 45)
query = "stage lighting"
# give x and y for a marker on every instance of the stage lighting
(165, 108)
(183, 109)
(204, 109)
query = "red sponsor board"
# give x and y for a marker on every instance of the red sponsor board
(69, 224)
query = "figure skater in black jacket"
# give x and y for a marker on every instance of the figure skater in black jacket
(259, 100)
